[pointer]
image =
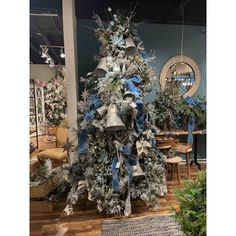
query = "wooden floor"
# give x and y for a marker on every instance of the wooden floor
(86, 221)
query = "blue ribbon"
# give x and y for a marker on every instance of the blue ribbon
(89, 115)
(129, 161)
(115, 175)
(153, 140)
(83, 142)
(129, 170)
(190, 101)
(190, 130)
(139, 121)
(143, 54)
(94, 101)
(129, 84)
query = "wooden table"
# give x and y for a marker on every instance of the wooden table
(185, 132)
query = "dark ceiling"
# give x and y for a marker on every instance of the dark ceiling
(46, 25)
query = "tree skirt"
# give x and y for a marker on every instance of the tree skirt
(143, 226)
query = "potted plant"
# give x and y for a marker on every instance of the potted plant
(192, 212)
(40, 185)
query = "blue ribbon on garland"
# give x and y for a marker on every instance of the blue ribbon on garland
(129, 84)
(128, 161)
(89, 114)
(191, 102)
(115, 175)
(190, 130)
(83, 142)
(139, 121)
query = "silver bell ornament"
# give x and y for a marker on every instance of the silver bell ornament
(113, 121)
(131, 49)
(137, 170)
(129, 94)
(102, 110)
(101, 69)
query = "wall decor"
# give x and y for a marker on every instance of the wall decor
(183, 69)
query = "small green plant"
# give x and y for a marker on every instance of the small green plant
(192, 212)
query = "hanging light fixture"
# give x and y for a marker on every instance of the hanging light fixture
(62, 55)
(182, 33)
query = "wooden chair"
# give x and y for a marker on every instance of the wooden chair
(174, 162)
(58, 155)
(184, 149)
(165, 144)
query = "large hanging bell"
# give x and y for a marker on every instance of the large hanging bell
(131, 49)
(113, 121)
(101, 69)
(102, 110)
(137, 170)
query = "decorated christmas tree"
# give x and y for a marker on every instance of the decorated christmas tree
(117, 155)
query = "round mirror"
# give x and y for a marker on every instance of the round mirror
(184, 71)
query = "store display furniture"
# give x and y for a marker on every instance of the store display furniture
(184, 149)
(165, 145)
(196, 133)
(174, 162)
(58, 154)
(33, 111)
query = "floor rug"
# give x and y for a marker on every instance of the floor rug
(159, 225)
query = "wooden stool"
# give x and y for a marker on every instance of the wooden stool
(184, 149)
(174, 162)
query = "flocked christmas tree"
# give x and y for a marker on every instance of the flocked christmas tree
(117, 155)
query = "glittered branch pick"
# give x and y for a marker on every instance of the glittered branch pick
(85, 95)
(68, 146)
